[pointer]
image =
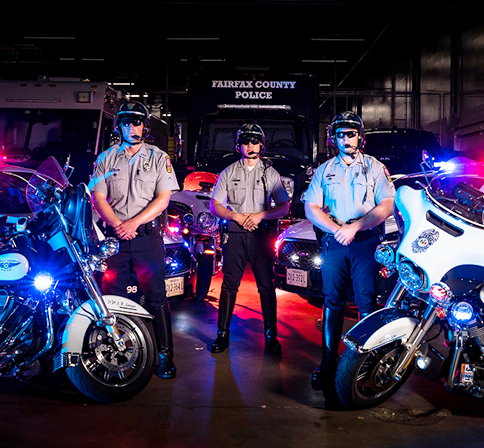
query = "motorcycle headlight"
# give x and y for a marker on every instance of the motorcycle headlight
(412, 277)
(108, 247)
(441, 293)
(207, 221)
(462, 312)
(43, 281)
(385, 254)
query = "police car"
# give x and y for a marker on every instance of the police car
(297, 266)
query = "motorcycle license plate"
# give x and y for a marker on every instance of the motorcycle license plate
(174, 286)
(297, 277)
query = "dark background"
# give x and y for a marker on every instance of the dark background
(405, 64)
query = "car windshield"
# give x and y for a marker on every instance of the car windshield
(284, 138)
(460, 191)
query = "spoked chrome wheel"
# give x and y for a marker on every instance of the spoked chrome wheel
(107, 373)
(366, 380)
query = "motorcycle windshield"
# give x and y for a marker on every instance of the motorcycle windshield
(200, 181)
(50, 174)
(460, 191)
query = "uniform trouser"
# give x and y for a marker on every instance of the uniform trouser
(357, 262)
(146, 255)
(258, 250)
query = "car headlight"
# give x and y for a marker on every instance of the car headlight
(207, 221)
(412, 277)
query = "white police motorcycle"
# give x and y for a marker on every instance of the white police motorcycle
(53, 316)
(440, 264)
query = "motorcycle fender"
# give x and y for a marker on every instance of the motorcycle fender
(73, 333)
(380, 328)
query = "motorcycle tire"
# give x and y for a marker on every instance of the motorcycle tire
(109, 375)
(204, 276)
(365, 380)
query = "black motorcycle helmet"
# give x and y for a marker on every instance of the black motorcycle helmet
(249, 130)
(133, 111)
(346, 119)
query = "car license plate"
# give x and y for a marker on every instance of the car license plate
(174, 286)
(297, 277)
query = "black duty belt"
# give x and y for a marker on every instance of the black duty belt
(146, 229)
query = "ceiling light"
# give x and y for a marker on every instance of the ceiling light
(336, 39)
(325, 60)
(50, 37)
(192, 38)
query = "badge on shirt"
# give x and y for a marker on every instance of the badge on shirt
(168, 164)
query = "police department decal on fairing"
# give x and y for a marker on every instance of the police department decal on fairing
(7, 265)
(425, 240)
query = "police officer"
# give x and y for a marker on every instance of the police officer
(246, 187)
(349, 196)
(131, 187)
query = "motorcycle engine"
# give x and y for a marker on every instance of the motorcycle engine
(16, 313)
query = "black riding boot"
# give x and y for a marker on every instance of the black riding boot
(225, 311)
(269, 315)
(332, 326)
(164, 341)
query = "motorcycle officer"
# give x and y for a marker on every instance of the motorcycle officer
(247, 187)
(131, 187)
(349, 196)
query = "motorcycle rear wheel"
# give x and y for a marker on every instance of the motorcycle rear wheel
(109, 375)
(365, 380)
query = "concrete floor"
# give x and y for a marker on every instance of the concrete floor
(242, 397)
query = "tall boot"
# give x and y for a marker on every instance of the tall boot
(269, 315)
(225, 311)
(332, 326)
(164, 341)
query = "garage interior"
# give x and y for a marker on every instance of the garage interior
(417, 65)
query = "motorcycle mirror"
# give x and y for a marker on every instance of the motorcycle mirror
(427, 161)
(67, 167)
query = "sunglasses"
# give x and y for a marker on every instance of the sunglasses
(133, 122)
(349, 134)
(247, 140)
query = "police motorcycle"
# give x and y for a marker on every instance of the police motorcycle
(189, 216)
(53, 316)
(439, 293)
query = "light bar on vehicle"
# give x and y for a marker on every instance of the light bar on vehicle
(255, 106)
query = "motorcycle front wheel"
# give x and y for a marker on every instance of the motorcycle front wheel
(107, 374)
(204, 276)
(366, 380)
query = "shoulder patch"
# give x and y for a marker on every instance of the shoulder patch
(387, 173)
(168, 164)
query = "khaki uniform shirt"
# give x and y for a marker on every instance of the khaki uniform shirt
(243, 191)
(130, 183)
(348, 192)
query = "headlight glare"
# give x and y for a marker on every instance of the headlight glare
(43, 281)
(462, 312)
